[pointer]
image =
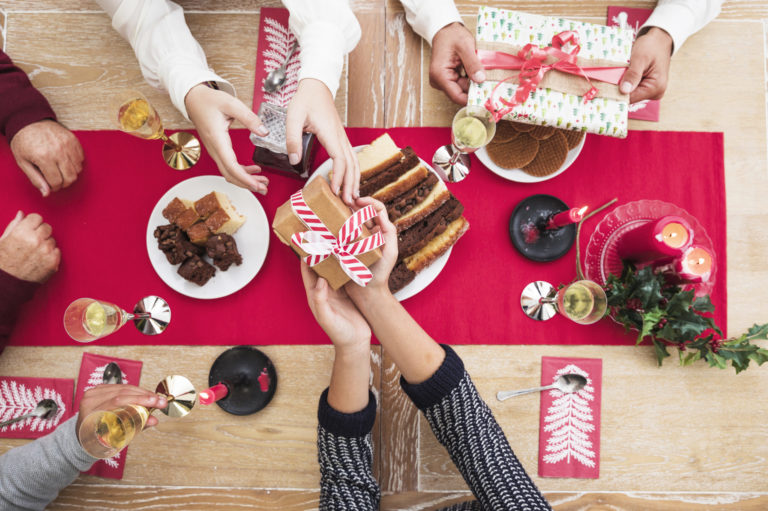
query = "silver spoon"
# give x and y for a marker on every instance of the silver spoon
(566, 383)
(45, 409)
(276, 78)
(112, 374)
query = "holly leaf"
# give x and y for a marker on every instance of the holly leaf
(758, 331)
(661, 350)
(650, 320)
(648, 289)
(703, 304)
(679, 303)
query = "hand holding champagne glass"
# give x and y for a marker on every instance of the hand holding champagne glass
(137, 117)
(472, 128)
(124, 411)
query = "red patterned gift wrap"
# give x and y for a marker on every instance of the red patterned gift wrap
(92, 374)
(569, 429)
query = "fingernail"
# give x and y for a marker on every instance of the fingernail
(356, 195)
(626, 87)
(261, 191)
(293, 158)
(479, 76)
(262, 131)
(42, 192)
(336, 190)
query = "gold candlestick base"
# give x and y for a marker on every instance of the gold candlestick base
(185, 153)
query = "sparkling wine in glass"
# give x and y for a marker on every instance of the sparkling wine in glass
(104, 433)
(88, 319)
(471, 129)
(583, 302)
(136, 116)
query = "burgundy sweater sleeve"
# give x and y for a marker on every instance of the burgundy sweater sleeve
(13, 294)
(21, 103)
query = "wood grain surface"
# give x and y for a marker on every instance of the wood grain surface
(672, 438)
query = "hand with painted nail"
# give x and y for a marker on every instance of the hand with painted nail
(648, 71)
(49, 154)
(453, 47)
(312, 109)
(213, 111)
(109, 397)
(27, 250)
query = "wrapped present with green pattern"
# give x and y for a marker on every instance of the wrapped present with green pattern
(552, 71)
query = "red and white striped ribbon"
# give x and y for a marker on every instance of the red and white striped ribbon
(320, 243)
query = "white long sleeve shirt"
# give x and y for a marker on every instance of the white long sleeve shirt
(170, 58)
(679, 18)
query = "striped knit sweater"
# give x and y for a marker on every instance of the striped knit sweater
(460, 420)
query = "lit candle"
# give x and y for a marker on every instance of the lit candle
(571, 216)
(215, 393)
(663, 239)
(695, 266)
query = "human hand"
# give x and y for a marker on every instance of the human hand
(648, 71)
(335, 312)
(312, 109)
(453, 47)
(49, 154)
(108, 397)
(27, 250)
(213, 111)
(383, 267)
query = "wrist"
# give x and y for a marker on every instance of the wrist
(371, 296)
(661, 37)
(355, 352)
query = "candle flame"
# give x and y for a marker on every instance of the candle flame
(582, 210)
(204, 395)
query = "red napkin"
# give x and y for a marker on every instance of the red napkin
(275, 41)
(647, 109)
(92, 374)
(569, 434)
(20, 395)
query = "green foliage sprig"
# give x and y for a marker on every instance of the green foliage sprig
(670, 317)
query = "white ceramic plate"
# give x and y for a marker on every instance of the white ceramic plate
(252, 239)
(521, 176)
(424, 277)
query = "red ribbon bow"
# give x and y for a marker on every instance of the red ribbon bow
(530, 60)
(319, 242)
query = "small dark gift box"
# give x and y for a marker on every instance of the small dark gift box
(271, 152)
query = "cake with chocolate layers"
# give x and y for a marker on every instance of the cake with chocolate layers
(197, 270)
(222, 249)
(175, 244)
(428, 217)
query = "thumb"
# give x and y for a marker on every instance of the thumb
(16, 220)
(237, 110)
(35, 177)
(632, 76)
(469, 60)
(294, 129)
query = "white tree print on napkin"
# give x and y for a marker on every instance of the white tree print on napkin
(17, 399)
(640, 105)
(280, 40)
(97, 377)
(621, 20)
(569, 422)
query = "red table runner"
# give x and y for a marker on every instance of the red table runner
(100, 224)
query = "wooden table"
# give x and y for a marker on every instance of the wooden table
(672, 438)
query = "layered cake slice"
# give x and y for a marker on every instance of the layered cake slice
(427, 216)
(206, 205)
(175, 208)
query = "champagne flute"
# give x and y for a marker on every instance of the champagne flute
(88, 319)
(583, 302)
(471, 129)
(137, 117)
(104, 433)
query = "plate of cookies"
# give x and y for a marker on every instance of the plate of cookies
(429, 219)
(207, 238)
(527, 153)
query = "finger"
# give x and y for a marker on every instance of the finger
(32, 221)
(632, 75)
(56, 255)
(12, 225)
(472, 64)
(463, 83)
(356, 167)
(349, 178)
(237, 110)
(145, 398)
(252, 169)
(68, 172)
(44, 231)
(35, 177)
(50, 170)
(452, 89)
(151, 422)
(308, 277)
(294, 130)
(231, 169)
